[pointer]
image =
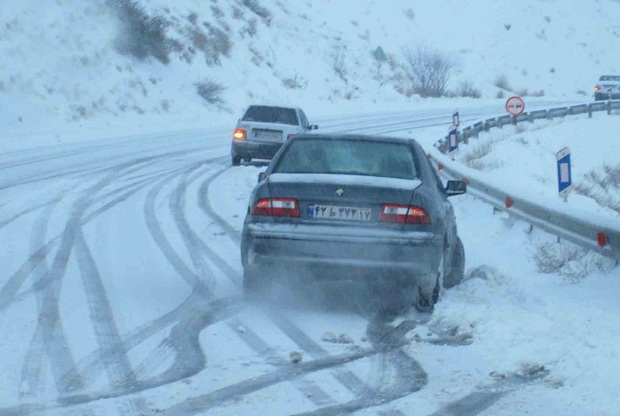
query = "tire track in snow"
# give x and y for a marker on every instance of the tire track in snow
(480, 400)
(49, 335)
(106, 332)
(217, 311)
(290, 372)
(28, 211)
(16, 281)
(31, 385)
(49, 338)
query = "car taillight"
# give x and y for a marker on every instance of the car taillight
(597, 88)
(240, 134)
(276, 207)
(404, 214)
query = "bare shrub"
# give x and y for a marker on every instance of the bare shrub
(581, 92)
(256, 8)
(140, 35)
(467, 89)
(339, 66)
(602, 186)
(295, 83)
(237, 13)
(478, 152)
(539, 93)
(220, 41)
(522, 92)
(257, 57)
(502, 82)
(569, 261)
(217, 11)
(429, 70)
(409, 13)
(210, 91)
(500, 94)
(402, 86)
(251, 28)
(214, 43)
(551, 257)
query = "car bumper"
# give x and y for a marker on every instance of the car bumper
(257, 150)
(603, 96)
(335, 252)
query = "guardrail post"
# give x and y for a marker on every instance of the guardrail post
(608, 105)
(589, 110)
(514, 120)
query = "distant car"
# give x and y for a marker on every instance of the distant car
(607, 84)
(365, 208)
(264, 129)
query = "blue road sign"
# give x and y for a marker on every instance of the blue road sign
(565, 182)
(453, 144)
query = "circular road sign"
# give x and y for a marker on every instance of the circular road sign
(515, 106)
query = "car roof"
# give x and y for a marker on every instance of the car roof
(274, 106)
(349, 136)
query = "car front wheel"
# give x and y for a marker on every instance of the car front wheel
(457, 266)
(428, 295)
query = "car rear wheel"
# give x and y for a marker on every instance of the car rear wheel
(428, 295)
(236, 160)
(457, 266)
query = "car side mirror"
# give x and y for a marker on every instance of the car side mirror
(262, 176)
(456, 188)
(314, 126)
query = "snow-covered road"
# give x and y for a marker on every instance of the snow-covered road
(120, 294)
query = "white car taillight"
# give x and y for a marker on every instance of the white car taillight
(240, 134)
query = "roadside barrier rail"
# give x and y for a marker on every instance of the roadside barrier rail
(581, 227)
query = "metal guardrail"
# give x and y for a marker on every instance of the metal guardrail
(598, 234)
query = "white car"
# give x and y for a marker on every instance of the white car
(263, 129)
(608, 86)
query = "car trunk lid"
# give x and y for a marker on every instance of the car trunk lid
(343, 199)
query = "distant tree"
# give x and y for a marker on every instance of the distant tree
(429, 70)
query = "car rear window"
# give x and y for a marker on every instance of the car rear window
(610, 78)
(350, 156)
(267, 114)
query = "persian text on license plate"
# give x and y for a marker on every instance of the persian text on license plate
(268, 135)
(339, 213)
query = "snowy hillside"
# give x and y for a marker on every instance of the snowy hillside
(86, 64)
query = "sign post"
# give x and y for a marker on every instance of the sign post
(455, 119)
(565, 184)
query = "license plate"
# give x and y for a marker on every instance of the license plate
(339, 213)
(268, 135)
